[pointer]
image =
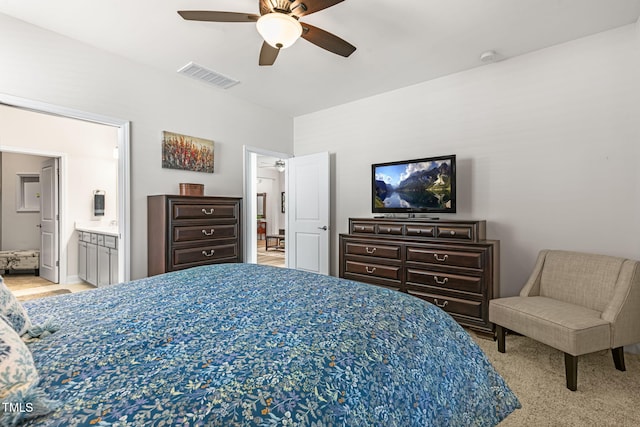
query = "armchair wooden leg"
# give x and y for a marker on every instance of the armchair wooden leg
(618, 358)
(571, 371)
(500, 332)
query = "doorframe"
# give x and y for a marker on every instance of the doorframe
(250, 176)
(62, 195)
(124, 171)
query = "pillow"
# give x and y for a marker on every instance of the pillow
(12, 311)
(20, 397)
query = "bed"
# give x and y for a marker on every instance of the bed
(249, 345)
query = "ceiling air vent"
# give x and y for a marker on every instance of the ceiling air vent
(198, 72)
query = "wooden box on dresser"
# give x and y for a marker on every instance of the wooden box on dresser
(446, 262)
(188, 231)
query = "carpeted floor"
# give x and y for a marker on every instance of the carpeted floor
(535, 372)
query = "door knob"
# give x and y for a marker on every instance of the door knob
(324, 227)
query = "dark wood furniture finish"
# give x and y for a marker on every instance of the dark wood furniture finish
(445, 262)
(187, 231)
(275, 241)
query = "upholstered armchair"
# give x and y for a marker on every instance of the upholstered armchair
(577, 303)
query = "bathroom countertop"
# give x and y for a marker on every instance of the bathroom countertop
(108, 230)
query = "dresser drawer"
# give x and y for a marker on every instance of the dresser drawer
(203, 254)
(373, 270)
(451, 305)
(373, 249)
(455, 232)
(420, 230)
(445, 262)
(181, 228)
(393, 229)
(363, 227)
(418, 279)
(203, 211)
(445, 257)
(203, 232)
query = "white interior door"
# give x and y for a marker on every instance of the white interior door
(49, 221)
(308, 213)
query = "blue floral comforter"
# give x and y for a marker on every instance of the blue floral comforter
(249, 345)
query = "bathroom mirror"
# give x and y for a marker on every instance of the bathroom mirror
(262, 205)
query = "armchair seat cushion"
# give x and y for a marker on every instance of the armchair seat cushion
(568, 327)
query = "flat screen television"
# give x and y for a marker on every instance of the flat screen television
(414, 186)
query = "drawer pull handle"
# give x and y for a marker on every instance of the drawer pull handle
(208, 212)
(439, 281)
(373, 269)
(419, 231)
(443, 259)
(443, 305)
(452, 232)
(208, 254)
(210, 233)
(370, 250)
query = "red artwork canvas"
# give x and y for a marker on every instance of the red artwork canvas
(186, 152)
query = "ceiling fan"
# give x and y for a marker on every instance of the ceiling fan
(278, 165)
(279, 25)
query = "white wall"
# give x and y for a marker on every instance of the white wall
(19, 229)
(547, 145)
(44, 66)
(89, 166)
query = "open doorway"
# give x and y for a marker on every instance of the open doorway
(21, 140)
(270, 211)
(306, 203)
(23, 188)
(265, 213)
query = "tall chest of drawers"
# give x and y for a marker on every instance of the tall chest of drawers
(188, 231)
(447, 263)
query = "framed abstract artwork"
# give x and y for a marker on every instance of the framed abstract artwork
(187, 152)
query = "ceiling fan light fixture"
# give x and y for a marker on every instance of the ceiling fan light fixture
(279, 30)
(280, 165)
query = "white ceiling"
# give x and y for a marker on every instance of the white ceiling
(399, 43)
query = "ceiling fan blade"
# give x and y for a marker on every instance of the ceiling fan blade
(211, 16)
(265, 7)
(268, 54)
(306, 7)
(326, 40)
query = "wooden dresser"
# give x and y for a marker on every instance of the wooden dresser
(448, 263)
(187, 231)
